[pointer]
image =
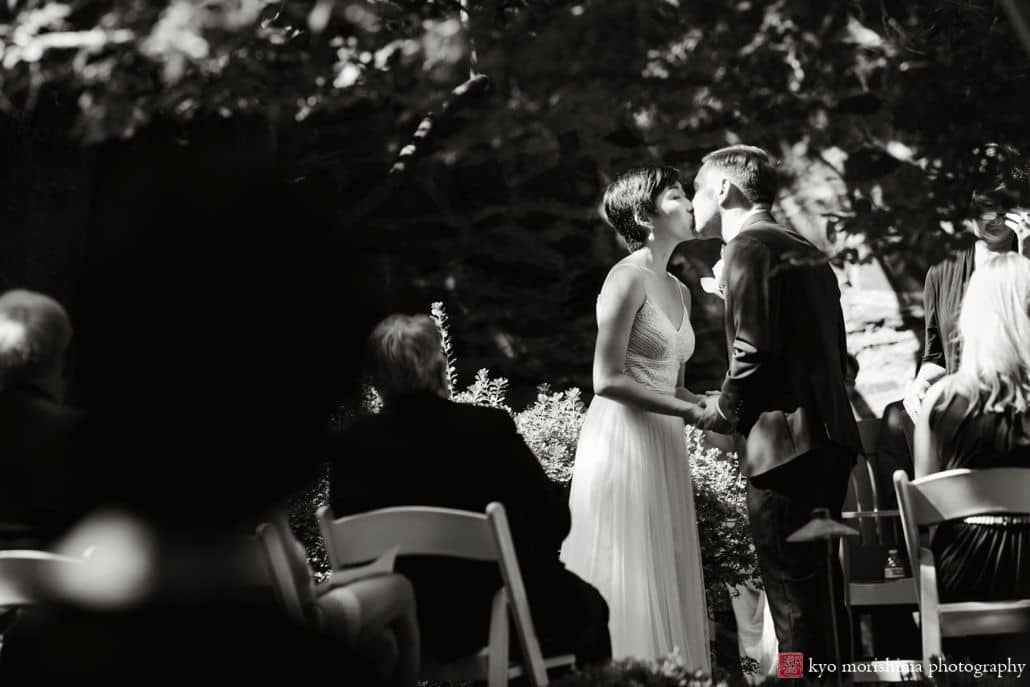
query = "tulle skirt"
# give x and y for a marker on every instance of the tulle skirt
(634, 532)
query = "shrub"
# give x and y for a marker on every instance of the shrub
(665, 672)
(551, 429)
(301, 507)
(492, 393)
(720, 497)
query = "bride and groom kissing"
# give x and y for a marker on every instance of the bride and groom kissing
(634, 531)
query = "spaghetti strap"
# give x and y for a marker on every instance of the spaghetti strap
(680, 285)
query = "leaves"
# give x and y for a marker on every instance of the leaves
(877, 109)
(551, 427)
(720, 498)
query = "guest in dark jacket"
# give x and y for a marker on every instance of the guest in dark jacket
(37, 431)
(423, 449)
(979, 418)
(995, 218)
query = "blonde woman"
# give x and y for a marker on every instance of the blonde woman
(979, 417)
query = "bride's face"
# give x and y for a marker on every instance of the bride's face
(674, 215)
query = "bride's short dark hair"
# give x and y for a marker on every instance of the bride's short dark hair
(634, 192)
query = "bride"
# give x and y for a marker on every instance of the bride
(634, 533)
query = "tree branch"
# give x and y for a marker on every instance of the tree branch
(459, 97)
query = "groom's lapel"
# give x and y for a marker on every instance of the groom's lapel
(758, 218)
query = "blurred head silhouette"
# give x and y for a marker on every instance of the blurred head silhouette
(35, 334)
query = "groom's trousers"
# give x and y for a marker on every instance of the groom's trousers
(781, 501)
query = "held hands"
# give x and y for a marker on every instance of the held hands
(685, 394)
(704, 413)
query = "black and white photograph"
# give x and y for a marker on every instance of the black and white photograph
(583, 343)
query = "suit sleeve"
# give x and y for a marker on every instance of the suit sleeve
(933, 351)
(752, 304)
(842, 329)
(537, 508)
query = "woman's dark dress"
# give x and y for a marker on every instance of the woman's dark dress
(980, 562)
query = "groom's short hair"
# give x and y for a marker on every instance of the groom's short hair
(750, 168)
(634, 193)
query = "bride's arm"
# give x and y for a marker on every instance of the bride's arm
(621, 297)
(685, 394)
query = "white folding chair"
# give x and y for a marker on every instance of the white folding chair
(419, 530)
(290, 577)
(952, 495)
(28, 577)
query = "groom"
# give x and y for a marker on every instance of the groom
(784, 391)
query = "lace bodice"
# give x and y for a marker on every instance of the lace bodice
(656, 349)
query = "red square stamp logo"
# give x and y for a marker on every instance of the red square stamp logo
(791, 665)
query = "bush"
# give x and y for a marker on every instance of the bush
(666, 672)
(551, 429)
(492, 393)
(720, 497)
(301, 507)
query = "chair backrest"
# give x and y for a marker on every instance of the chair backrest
(414, 530)
(954, 494)
(287, 567)
(28, 576)
(423, 530)
(517, 598)
(869, 431)
(861, 497)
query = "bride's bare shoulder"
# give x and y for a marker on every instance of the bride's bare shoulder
(624, 283)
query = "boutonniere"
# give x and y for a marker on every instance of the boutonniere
(715, 284)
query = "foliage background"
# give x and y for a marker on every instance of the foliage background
(879, 109)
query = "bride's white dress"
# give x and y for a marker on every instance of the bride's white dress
(634, 531)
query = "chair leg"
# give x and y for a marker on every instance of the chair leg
(497, 661)
(929, 615)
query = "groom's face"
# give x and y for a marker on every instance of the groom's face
(706, 203)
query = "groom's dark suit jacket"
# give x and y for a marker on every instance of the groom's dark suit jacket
(786, 337)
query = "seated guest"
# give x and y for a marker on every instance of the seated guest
(893, 451)
(979, 417)
(198, 425)
(37, 431)
(425, 450)
(372, 618)
(997, 224)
